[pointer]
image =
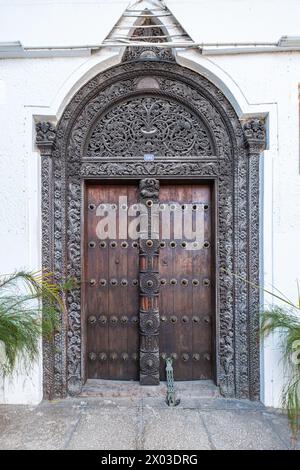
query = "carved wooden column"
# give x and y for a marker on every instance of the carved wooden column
(255, 136)
(45, 141)
(149, 282)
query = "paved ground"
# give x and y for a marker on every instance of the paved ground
(140, 421)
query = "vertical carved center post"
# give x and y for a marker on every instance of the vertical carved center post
(149, 282)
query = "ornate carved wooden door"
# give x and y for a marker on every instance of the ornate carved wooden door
(148, 293)
(186, 279)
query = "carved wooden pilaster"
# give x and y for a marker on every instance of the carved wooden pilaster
(149, 282)
(255, 136)
(45, 141)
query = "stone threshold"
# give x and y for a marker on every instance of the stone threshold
(131, 389)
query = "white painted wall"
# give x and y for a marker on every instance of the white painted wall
(255, 83)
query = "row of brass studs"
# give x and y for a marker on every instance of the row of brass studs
(103, 320)
(103, 356)
(124, 320)
(184, 207)
(163, 282)
(149, 203)
(112, 244)
(186, 357)
(124, 356)
(184, 244)
(185, 319)
(185, 282)
(114, 282)
(172, 244)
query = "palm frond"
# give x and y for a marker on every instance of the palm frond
(287, 323)
(30, 306)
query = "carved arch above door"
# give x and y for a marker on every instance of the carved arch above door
(156, 101)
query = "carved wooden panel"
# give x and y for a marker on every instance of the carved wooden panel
(149, 124)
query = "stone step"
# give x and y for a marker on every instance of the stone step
(113, 389)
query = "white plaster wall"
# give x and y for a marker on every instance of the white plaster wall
(255, 83)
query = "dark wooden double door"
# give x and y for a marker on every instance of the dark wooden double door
(112, 292)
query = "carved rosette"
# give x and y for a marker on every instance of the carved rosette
(149, 282)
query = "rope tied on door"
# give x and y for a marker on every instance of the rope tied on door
(171, 397)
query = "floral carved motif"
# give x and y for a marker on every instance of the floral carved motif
(149, 125)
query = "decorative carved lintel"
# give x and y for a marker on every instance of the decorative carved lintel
(45, 137)
(255, 135)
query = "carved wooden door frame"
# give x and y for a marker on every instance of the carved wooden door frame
(223, 149)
